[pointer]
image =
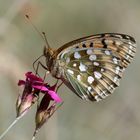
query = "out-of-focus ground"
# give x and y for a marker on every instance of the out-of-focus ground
(117, 117)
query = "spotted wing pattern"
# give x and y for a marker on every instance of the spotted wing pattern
(94, 65)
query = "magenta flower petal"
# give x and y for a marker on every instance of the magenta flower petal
(42, 88)
(33, 77)
(28, 73)
(53, 87)
(54, 96)
(21, 82)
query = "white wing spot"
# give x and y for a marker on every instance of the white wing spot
(97, 74)
(74, 65)
(117, 70)
(78, 77)
(119, 36)
(77, 55)
(97, 98)
(92, 57)
(89, 51)
(123, 69)
(127, 37)
(102, 70)
(89, 88)
(127, 57)
(118, 43)
(68, 60)
(90, 79)
(131, 47)
(130, 51)
(111, 87)
(95, 63)
(105, 93)
(102, 95)
(115, 79)
(115, 60)
(107, 52)
(82, 67)
(70, 71)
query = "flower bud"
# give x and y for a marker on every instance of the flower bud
(23, 106)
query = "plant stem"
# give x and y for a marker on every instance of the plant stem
(12, 124)
(34, 135)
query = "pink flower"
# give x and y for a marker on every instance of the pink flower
(54, 96)
(36, 83)
(44, 111)
(33, 85)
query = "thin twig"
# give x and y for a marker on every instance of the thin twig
(12, 124)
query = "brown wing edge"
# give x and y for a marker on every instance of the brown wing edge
(102, 35)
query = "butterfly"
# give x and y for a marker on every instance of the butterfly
(92, 66)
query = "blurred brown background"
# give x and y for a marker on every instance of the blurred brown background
(117, 117)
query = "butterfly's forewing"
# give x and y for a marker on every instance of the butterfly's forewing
(95, 64)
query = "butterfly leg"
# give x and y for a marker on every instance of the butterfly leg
(59, 86)
(36, 61)
(37, 68)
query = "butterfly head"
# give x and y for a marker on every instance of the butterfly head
(48, 53)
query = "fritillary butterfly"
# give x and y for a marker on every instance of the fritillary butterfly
(92, 66)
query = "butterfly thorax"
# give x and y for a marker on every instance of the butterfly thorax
(53, 65)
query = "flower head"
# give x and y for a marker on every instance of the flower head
(45, 110)
(33, 85)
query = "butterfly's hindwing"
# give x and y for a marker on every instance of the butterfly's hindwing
(94, 65)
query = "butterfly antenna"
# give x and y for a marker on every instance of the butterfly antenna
(44, 35)
(36, 29)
